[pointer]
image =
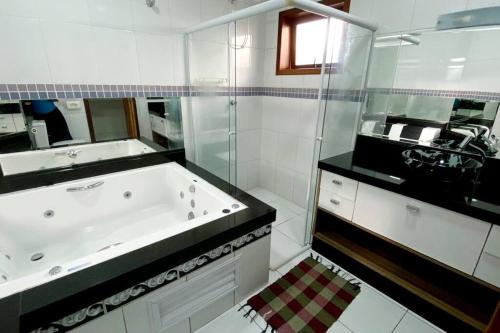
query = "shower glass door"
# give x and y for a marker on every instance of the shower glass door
(343, 95)
(212, 106)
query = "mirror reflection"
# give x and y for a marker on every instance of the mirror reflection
(45, 134)
(427, 88)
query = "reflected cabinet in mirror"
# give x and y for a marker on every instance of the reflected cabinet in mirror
(429, 89)
(46, 134)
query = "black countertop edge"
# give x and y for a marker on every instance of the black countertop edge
(29, 180)
(53, 300)
(343, 165)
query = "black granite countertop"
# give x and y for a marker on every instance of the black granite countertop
(51, 301)
(344, 165)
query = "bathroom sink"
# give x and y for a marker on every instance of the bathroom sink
(441, 166)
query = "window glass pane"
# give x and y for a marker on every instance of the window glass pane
(310, 41)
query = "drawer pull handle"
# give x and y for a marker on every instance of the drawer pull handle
(413, 209)
(337, 182)
(335, 202)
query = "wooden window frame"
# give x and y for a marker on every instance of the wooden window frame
(287, 25)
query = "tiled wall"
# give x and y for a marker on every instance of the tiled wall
(99, 41)
(407, 15)
(465, 61)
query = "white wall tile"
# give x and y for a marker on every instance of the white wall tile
(284, 183)
(393, 15)
(472, 4)
(361, 8)
(266, 177)
(155, 58)
(155, 19)
(25, 61)
(248, 145)
(300, 189)
(287, 150)
(254, 28)
(111, 13)
(270, 77)
(74, 11)
(307, 118)
(427, 11)
(248, 113)
(23, 8)
(269, 145)
(271, 31)
(305, 152)
(70, 52)
(253, 174)
(178, 60)
(185, 13)
(214, 8)
(117, 56)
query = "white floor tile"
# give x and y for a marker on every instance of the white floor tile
(293, 262)
(230, 322)
(290, 206)
(282, 212)
(294, 228)
(412, 323)
(282, 249)
(263, 194)
(370, 312)
(273, 276)
(338, 327)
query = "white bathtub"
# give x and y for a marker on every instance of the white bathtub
(81, 223)
(59, 157)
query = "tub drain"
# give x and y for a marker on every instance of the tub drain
(37, 256)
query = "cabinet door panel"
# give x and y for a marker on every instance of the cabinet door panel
(449, 237)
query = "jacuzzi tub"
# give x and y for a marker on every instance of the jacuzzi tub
(59, 157)
(70, 226)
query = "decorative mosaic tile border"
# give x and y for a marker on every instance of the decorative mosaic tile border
(44, 91)
(480, 95)
(47, 91)
(103, 307)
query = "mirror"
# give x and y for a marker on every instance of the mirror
(435, 88)
(45, 134)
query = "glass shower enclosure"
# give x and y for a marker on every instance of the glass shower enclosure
(211, 141)
(212, 104)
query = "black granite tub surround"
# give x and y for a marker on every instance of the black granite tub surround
(28, 180)
(377, 162)
(42, 305)
(110, 303)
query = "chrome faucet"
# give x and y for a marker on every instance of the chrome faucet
(72, 153)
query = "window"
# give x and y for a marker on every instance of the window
(301, 39)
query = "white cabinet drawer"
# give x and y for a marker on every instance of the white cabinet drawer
(449, 237)
(338, 184)
(336, 204)
(7, 124)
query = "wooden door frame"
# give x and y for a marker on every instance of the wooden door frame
(90, 121)
(131, 118)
